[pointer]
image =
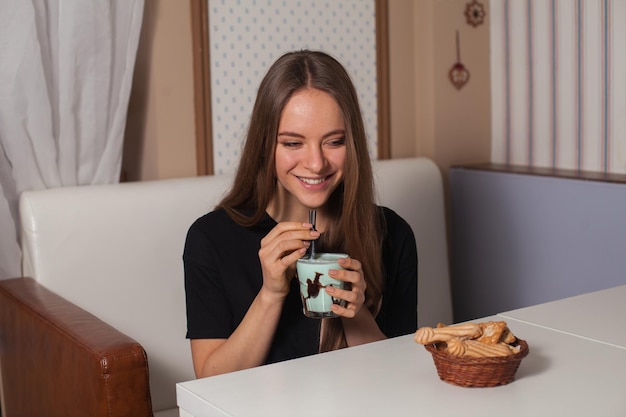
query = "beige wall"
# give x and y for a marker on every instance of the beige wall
(428, 115)
(160, 132)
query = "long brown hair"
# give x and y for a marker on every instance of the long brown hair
(357, 225)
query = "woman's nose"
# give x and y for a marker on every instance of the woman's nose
(315, 159)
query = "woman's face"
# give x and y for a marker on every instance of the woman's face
(310, 150)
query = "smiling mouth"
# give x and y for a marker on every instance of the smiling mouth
(312, 181)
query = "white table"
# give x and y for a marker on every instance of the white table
(562, 375)
(598, 316)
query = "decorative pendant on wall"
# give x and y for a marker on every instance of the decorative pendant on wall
(459, 75)
(475, 13)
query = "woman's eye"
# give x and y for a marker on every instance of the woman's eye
(290, 144)
(337, 142)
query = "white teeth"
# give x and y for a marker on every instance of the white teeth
(312, 181)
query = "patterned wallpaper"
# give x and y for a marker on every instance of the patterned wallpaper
(558, 71)
(246, 36)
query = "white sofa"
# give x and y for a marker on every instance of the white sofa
(115, 251)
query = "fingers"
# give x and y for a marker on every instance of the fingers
(287, 240)
(279, 251)
(352, 274)
(354, 298)
(354, 295)
(347, 312)
(349, 265)
(291, 230)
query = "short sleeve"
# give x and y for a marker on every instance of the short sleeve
(208, 313)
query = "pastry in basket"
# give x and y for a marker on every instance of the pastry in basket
(426, 335)
(485, 339)
(476, 349)
(485, 354)
(495, 332)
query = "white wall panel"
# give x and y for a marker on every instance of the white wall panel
(246, 37)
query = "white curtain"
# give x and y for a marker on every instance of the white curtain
(66, 68)
(558, 84)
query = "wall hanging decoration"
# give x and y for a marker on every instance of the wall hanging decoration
(459, 75)
(475, 13)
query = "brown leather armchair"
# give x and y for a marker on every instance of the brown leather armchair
(59, 360)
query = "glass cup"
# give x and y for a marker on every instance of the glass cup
(313, 277)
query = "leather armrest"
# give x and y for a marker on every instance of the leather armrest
(57, 359)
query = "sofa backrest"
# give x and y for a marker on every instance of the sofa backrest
(413, 188)
(116, 251)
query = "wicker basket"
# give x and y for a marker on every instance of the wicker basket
(477, 372)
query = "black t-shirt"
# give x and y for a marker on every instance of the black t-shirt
(223, 276)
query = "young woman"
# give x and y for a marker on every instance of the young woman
(306, 148)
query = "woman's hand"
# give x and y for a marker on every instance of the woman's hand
(280, 249)
(355, 295)
(358, 323)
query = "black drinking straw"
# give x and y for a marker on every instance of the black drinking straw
(312, 218)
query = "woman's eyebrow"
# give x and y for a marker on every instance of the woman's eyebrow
(326, 135)
(335, 132)
(291, 134)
